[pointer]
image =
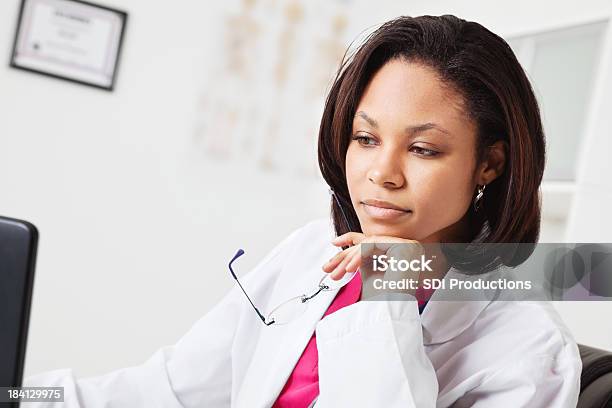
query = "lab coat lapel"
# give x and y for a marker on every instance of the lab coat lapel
(444, 319)
(280, 346)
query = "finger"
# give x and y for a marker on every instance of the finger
(354, 257)
(350, 239)
(335, 260)
(355, 263)
(375, 245)
(340, 270)
(406, 250)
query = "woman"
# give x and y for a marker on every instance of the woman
(431, 133)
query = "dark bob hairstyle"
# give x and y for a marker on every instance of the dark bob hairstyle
(497, 96)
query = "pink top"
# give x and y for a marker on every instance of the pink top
(302, 387)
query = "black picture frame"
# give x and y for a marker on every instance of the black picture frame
(123, 16)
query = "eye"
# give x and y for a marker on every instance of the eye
(364, 140)
(421, 151)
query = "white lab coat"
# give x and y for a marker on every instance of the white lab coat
(371, 353)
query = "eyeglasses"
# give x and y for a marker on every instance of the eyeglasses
(294, 307)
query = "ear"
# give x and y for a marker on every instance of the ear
(493, 164)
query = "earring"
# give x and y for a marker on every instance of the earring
(478, 199)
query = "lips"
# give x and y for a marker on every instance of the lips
(384, 204)
(383, 209)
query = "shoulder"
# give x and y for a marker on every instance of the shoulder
(528, 336)
(321, 228)
(522, 348)
(530, 327)
(316, 233)
(306, 240)
(535, 353)
(294, 256)
(506, 332)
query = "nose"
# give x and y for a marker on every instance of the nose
(386, 171)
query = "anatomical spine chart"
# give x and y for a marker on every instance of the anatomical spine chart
(263, 98)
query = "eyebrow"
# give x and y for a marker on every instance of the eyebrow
(410, 129)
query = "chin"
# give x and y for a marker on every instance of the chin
(375, 228)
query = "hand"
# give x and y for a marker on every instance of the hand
(349, 260)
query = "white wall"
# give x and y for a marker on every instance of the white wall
(141, 224)
(136, 229)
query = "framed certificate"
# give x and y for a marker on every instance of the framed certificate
(69, 39)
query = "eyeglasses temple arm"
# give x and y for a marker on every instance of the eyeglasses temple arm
(238, 254)
(333, 194)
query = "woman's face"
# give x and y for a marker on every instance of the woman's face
(412, 146)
